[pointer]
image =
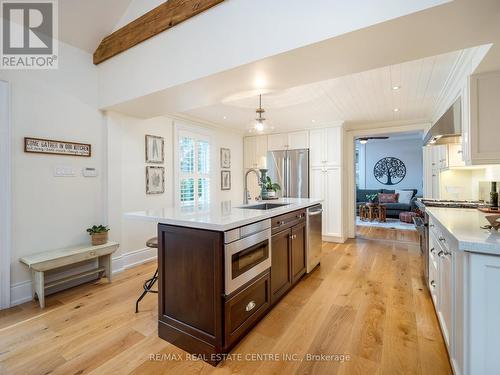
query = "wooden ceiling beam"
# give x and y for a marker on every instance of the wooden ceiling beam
(157, 20)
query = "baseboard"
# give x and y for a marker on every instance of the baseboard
(21, 292)
(334, 238)
(133, 258)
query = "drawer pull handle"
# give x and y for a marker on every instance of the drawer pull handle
(433, 251)
(433, 283)
(282, 222)
(442, 239)
(251, 305)
(92, 253)
(441, 254)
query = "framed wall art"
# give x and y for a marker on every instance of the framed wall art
(155, 149)
(225, 158)
(49, 146)
(225, 180)
(155, 180)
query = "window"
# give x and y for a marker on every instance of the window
(194, 169)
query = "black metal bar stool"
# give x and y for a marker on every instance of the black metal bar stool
(152, 243)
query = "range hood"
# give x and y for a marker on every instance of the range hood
(448, 129)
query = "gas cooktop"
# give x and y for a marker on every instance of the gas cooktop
(453, 204)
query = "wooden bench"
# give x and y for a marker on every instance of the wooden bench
(50, 260)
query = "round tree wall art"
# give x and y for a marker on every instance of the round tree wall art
(389, 171)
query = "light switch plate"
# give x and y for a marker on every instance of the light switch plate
(64, 171)
(89, 172)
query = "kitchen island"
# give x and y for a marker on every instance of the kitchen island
(222, 267)
(464, 282)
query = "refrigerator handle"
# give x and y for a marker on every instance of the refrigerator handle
(283, 173)
(288, 171)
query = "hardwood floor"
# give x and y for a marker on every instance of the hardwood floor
(388, 234)
(366, 306)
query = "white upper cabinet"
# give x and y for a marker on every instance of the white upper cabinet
(325, 146)
(480, 115)
(288, 141)
(255, 152)
(298, 140)
(455, 156)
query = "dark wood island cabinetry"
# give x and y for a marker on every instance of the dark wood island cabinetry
(195, 311)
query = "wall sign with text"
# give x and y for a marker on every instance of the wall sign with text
(48, 146)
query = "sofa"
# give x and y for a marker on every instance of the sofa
(393, 209)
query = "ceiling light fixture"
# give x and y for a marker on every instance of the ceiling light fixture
(224, 117)
(396, 87)
(396, 109)
(259, 121)
(364, 140)
(313, 120)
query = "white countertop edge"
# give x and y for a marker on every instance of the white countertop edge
(466, 244)
(264, 214)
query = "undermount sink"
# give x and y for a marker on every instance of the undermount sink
(265, 206)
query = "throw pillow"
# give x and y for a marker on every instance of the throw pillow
(388, 198)
(405, 196)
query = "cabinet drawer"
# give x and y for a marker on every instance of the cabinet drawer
(244, 308)
(288, 220)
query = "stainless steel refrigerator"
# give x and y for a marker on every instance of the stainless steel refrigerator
(290, 169)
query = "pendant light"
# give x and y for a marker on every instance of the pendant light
(259, 121)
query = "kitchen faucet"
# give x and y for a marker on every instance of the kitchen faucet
(246, 193)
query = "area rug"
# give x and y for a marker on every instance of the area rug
(390, 224)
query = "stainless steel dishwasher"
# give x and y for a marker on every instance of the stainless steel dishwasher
(314, 236)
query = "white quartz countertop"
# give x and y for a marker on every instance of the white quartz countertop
(465, 225)
(220, 217)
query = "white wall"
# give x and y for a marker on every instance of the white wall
(50, 212)
(126, 178)
(407, 150)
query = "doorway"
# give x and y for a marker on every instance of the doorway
(5, 194)
(383, 147)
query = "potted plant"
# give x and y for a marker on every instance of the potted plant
(371, 198)
(271, 188)
(99, 234)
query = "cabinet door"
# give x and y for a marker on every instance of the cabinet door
(317, 182)
(333, 202)
(445, 296)
(442, 156)
(483, 115)
(435, 184)
(298, 140)
(261, 151)
(333, 146)
(249, 146)
(276, 142)
(298, 251)
(482, 321)
(455, 155)
(317, 143)
(281, 272)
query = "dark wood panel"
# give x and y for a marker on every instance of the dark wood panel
(190, 287)
(288, 220)
(281, 278)
(240, 316)
(298, 251)
(157, 20)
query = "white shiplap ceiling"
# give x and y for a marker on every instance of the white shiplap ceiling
(366, 97)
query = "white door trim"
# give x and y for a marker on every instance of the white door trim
(350, 136)
(5, 193)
